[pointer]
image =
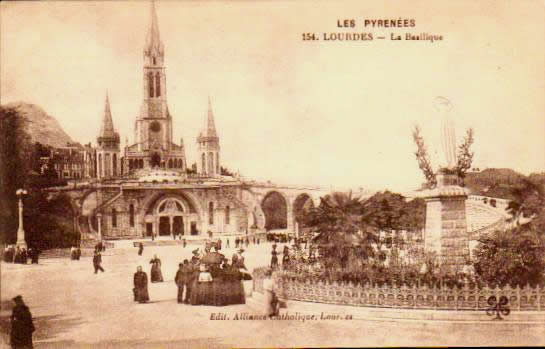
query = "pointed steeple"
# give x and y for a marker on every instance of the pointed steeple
(153, 40)
(107, 127)
(211, 126)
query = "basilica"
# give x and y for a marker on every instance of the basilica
(147, 188)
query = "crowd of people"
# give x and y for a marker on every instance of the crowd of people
(209, 278)
(20, 255)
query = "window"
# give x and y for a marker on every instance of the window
(114, 161)
(211, 213)
(227, 215)
(131, 215)
(150, 83)
(157, 84)
(114, 218)
(203, 163)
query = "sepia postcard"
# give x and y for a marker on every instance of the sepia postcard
(272, 174)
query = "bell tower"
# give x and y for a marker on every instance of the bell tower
(208, 143)
(153, 129)
(153, 145)
(108, 162)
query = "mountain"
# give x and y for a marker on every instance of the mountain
(41, 126)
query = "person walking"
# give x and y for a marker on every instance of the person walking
(22, 326)
(227, 243)
(97, 260)
(140, 290)
(140, 249)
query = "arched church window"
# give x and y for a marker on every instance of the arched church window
(114, 218)
(218, 163)
(227, 215)
(154, 61)
(169, 163)
(211, 213)
(203, 158)
(157, 84)
(150, 83)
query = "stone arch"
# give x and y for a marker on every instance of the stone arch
(301, 203)
(275, 206)
(192, 210)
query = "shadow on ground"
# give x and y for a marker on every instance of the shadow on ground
(47, 327)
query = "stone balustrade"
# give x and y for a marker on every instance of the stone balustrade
(387, 296)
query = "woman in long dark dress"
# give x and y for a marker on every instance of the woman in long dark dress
(202, 288)
(236, 286)
(156, 274)
(141, 294)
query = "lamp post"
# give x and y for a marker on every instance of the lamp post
(21, 231)
(99, 221)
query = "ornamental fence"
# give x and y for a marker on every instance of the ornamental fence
(387, 296)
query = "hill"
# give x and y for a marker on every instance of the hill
(41, 126)
(498, 182)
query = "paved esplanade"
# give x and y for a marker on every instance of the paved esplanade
(73, 307)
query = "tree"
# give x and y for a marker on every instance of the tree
(528, 201)
(423, 158)
(514, 257)
(15, 164)
(465, 156)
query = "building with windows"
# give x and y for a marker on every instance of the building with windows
(146, 189)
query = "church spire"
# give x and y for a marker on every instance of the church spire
(211, 126)
(153, 40)
(107, 127)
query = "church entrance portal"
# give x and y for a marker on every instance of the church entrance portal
(173, 216)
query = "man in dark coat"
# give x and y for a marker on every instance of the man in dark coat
(21, 325)
(178, 279)
(192, 275)
(140, 249)
(97, 260)
(140, 286)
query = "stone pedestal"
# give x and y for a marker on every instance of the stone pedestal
(446, 225)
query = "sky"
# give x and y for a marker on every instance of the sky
(326, 113)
